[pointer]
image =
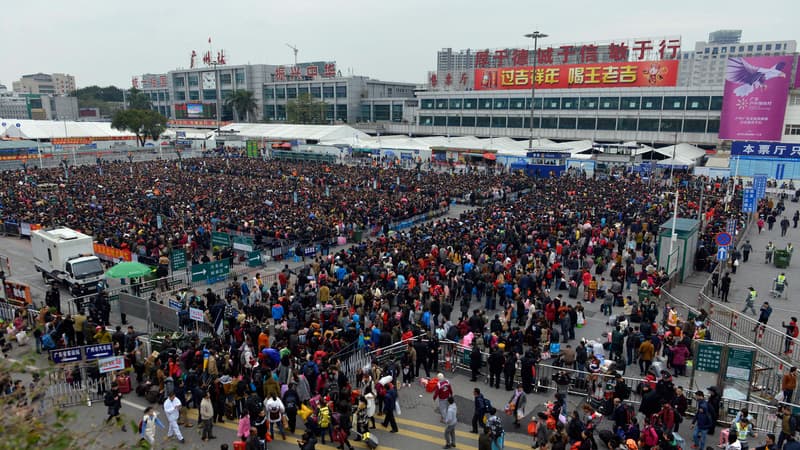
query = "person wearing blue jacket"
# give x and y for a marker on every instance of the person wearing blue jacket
(703, 421)
(389, 406)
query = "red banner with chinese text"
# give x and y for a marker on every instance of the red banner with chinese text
(597, 75)
(110, 253)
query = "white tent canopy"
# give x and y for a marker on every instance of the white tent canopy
(52, 129)
(320, 133)
(684, 152)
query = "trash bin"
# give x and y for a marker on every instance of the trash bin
(357, 235)
(781, 259)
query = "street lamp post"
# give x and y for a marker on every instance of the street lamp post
(536, 35)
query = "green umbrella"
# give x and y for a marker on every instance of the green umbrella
(128, 269)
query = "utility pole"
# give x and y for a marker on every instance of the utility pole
(536, 35)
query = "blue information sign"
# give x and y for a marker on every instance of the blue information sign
(99, 351)
(722, 253)
(66, 355)
(175, 304)
(731, 226)
(760, 185)
(765, 149)
(749, 200)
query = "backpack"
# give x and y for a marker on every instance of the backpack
(109, 399)
(47, 342)
(496, 427)
(487, 405)
(324, 417)
(532, 428)
(380, 390)
(452, 333)
(274, 413)
(795, 331)
(445, 391)
(649, 436)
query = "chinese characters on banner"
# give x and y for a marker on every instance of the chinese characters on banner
(618, 74)
(755, 96)
(300, 72)
(765, 149)
(633, 50)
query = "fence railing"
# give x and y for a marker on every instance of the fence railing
(61, 392)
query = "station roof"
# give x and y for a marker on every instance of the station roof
(58, 129)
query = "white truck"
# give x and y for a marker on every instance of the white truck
(67, 256)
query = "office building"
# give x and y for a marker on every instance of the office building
(44, 83)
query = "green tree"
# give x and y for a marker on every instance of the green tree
(306, 110)
(138, 99)
(107, 99)
(143, 123)
(243, 104)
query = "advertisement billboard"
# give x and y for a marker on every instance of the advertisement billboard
(797, 74)
(194, 110)
(754, 100)
(570, 76)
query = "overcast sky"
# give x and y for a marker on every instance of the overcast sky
(106, 42)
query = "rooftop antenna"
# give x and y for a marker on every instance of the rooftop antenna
(294, 49)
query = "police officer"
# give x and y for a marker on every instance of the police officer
(752, 295)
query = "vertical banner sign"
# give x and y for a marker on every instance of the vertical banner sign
(178, 259)
(760, 185)
(755, 96)
(749, 200)
(220, 239)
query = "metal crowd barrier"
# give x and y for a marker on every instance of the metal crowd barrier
(61, 393)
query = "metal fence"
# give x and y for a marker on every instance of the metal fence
(60, 391)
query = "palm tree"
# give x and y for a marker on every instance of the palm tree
(242, 103)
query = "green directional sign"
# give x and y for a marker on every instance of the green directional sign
(709, 358)
(243, 243)
(178, 259)
(740, 363)
(253, 259)
(212, 271)
(220, 238)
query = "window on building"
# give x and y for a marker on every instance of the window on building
(483, 121)
(749, 48)
(440, 121)
(517, 103)
(316, 92)
(269, 93)
(498, 122)
(194, 80)
(759, 47)
(714, 51)
(426, 120)
(280, 112)
(549, 122)
(794, 99)
(366, 112)
(569, 103)
(470, 103)
(341, 91)
(269, 112)
(552, 103)
(178, 81)
(280, 92)
(768, 47)
(651, 103)
(674, 103)
(713, 126)
(485, 103)
(468, 121)
(453, 121)
(302, 89)
(515, 122)
(706, 50)
(606, 123)
(537, 103)
(670, 125)
(697, 103)
(792, 130)
(381, 113)
(500, 103)
(454, 103)
(427, 103)
(441, 103)
(180, 95)
(225, 78)
(194, 95)
(741, 48)
(291, 92)
(567, 123)
(327, 92)
(627, 124)
(526, 122)
(716, 103)
(239, 76)
(587, 123)
(648, 124)
(609, 102)
(723, 49)
(694, 126)
(588, 103)
(341, 113)
(629, 103)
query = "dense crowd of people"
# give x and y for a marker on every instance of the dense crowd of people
(509, 280)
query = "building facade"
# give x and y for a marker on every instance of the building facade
(44, 83)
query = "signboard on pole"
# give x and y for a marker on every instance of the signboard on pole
(178, 259)
(749, 200)
(111, 364)
(709, 358)
(723, 239)
(219, 238)
(253, 259)
(722, 253)
(243, 243)
(760, 185)
(731, 226)
(212, 271)
(740, 364)
(98, 351)
(196, 314)
(66, 355)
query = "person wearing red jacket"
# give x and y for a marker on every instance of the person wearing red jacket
(442, 393)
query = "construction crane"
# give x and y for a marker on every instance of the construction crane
(294, 49)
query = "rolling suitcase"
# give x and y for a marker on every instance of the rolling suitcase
(573, 291)
(124, 384)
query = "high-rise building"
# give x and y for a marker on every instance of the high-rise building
(44, 83)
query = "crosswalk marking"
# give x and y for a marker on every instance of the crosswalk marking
(232, 425)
